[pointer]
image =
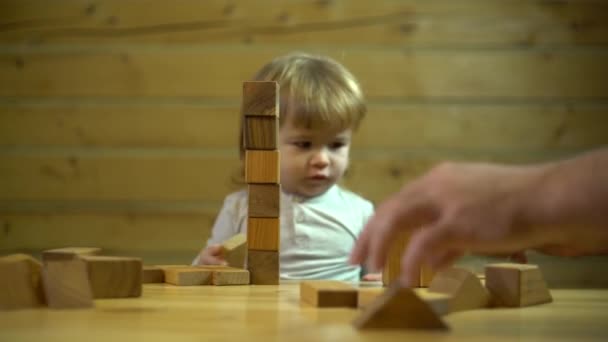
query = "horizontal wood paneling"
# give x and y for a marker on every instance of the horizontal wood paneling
(523, 127)
(171, 177)
(352, 22)
(384, 74)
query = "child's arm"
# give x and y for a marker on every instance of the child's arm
(225, 226)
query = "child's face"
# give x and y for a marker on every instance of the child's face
(312, 160)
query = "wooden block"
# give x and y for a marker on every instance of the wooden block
(68, 253)
(463, 286)
(263, 267)
(438, 302)
(234, 250)
(516, 285)
(20, 282)
(261, 98)
(189, 276)
(66, 284)
(399, 308)
(114, 277)
(262, 166)
(366, 295)
(152, 275)
(263, 234)
(264, 200)
(392, 267)
(426, 276)
(232, 276)
(260, 132)
(328, 294)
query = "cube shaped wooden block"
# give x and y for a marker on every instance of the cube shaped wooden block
(66, 284)
(261, 132)
(264, 200)
(262, 166)
(114, 277)
(261, 98)
(263, 233)
(328, 293)
(516, 285)
(20, 282)
(263, 267)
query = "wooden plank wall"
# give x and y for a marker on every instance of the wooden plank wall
(118, 118)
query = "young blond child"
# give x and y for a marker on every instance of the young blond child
(321, 105)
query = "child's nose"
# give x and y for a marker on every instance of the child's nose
(320, 158)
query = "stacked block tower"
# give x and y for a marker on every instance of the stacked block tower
(260, 137)
(392, 267)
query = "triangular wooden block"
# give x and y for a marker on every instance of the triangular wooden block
(66, 284)
(516, 285)
(234, 250)
(465, 289)
(399, 308)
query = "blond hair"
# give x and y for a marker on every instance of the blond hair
(316, 91)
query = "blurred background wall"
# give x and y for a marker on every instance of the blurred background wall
(118, 118)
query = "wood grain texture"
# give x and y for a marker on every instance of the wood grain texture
(264, 200)
(188, 276)
(263, 267)
(230, 276)
(68, 253)
(392, 266)
(412, 23)
(20, 282)
(261, 132)
(328, 294)
(532, 74)
(66, 284)
(234, 250)
(261, 98)
(399, 308)
(516, 285)
(262, 166)
(263, 234)
(464, 288)
(114, 277)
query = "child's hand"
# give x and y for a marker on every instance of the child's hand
(372, 277)
(212, 255)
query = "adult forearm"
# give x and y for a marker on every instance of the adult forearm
(571, 196)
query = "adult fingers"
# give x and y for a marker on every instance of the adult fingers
(423, 244)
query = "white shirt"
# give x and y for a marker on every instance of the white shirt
(317, 234)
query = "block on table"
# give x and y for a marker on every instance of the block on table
(399, 308)
(463, 286)
(263, 267)
(262, 167)
(392, 266)
(113, 276)
(20, 282)
(261, 98)
(234, 250)
(516, 285)
(264, 200)
(366, 295)
(230, 276)
(260, 132)
(66, 284)
(263, 233)
(189, 276)
(68, 253)
(328, 294)
(152, 275)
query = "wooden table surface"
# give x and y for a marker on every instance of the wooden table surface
(274, 313)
